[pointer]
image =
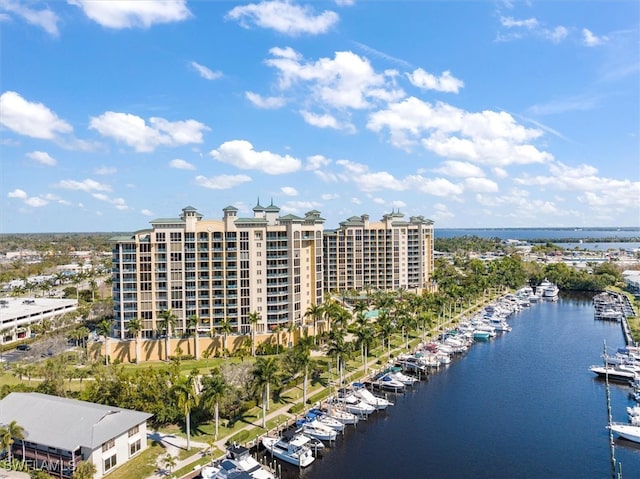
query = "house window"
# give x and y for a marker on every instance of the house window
(109, 462)
(134, 447)
(134, 430)
(108, 445)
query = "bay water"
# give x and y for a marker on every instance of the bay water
(523, 405)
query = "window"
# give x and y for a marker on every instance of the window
(109, 462)
(134, 447)
(108, 445)
(134, 430)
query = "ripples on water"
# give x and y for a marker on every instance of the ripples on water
(523, 405)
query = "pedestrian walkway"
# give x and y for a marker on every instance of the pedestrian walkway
(174, 445)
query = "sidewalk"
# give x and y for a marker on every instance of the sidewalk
(174, 445)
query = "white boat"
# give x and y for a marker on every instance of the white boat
(355, 405)
(338, 413)
(613, 373)
(405, 379)
(627, 431)
(389, 383)
(549, 290)
(325, 420)
(296, 450)
(369, 398)
(238, 463)
(315, 428)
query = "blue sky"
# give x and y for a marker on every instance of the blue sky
(472, 114)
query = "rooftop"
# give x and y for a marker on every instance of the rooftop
(67, 423)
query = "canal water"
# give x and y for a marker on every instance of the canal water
(523, 405)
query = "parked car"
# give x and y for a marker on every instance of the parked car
(23, 347)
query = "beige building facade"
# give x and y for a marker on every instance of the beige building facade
(389, 254)
(219, 271)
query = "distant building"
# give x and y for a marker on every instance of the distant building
(60, 433)
(17, 315)
(388, 254)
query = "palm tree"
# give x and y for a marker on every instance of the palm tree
(169, 461)
(84, 470)
(104, 328)
(315, 312)
(338, 348)
(226, 327)
(135, 328)
(385, 328)
(213, 388)
(167, 323)
(76, 280)
(184, 390)
(265, 373)
(253, 319)
(303, 360)
(192, 325)
(364, 334)
(8, 434)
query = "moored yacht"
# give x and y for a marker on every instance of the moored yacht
(295, 450)
(238, 464)
(626, 431)
(614, 373)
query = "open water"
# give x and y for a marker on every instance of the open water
(523, 405)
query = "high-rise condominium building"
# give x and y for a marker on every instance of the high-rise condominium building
(389, 254)
(219, 271)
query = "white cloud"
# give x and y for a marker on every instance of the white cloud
(459, 169)
(105, 170)
(325, 121)
(17, 193)
(499, 172)
(592, 189)
(222, 182)
(329, 196)
(434, 186)
(520, 28)
(591, 40)
(85, 185)
(36, 202)
(510, 22)
(268, 103)
(556, 35)
(42, 157)
(289, 191)
(284, 17)
(32, 201)
(30, 119)
(134, 131)
(300, 207)
(487, 137)
(147, 212)
(445, 83)
(441, 212)
(181, 164)
(346, 81)
(45, 18)
(119, 203)
(133, 13)
(205, 72)
(316, 162)
(480, 185)
(240, 153)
